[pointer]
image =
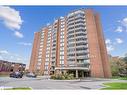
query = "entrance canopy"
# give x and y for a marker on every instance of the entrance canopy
(72, 68)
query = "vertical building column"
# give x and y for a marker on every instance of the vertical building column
(96, 66)
(82, 74)
(103, 51)
(44, 51)
(64, 71)
(33, 59)
(76, 73)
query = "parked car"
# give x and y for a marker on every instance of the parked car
(32, 75)
(16, 74)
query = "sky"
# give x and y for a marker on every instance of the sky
(18, 24)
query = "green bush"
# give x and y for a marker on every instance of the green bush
(53, 77)
(65, 76)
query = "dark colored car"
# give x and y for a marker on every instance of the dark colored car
(16, 74)
(32, 75)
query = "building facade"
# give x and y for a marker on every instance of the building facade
(73, 44)
(6, 67)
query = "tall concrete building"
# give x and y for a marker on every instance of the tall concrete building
(73, 44)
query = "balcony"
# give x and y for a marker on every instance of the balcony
(85, 57)
(83, 24)
(82, 51)
(85, 67)
(78, 28)
(79, 35)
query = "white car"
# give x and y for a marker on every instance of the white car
(32, 75)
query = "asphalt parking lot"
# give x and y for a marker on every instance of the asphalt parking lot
(41, 83)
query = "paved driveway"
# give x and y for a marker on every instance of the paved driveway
(43, 83)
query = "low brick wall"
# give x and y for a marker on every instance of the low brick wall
(4, 73)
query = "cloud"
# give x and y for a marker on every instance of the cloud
(108, 41)
(110, 48)
(3, 52)
(18, 34)
(25, 43)
(109, 45)
(12, 57)
(18, 59)
(11, 18)
(1, 58)
(122, 25)
(119, 41)
(124, 22)
(119, 29)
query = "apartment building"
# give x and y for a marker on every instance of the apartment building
(74, 44)
(6, 67)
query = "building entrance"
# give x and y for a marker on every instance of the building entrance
(79, 73)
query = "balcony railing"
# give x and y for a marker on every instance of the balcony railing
(75, 67)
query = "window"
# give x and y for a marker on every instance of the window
(86, 61)
(49, 38)
(70, 36)
(47, 55)
(62, 23)
(48, 45)
(41, 45)
(62, 53)
(39, 56)
(41, 40)
(38, 67)
(42, 36)
(49, 28)
(71, 45)
(62, 57)
(47, 59)
(48, 41)
(46, 63)
(61, 48)
(81, 54)
(62, 29)
(47, 51)
(62, 44)
(62, 37)
(62, 40)
(80, 39)
(71, 54)
(48, 48)
(62, 33)
(46, 67)
(61, 62)
(62, 26)
(39, 59)
(42, 33)
(40, 53)
(40, 49)
(39, 63)
(79, 44)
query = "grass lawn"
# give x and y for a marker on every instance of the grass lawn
(20, 88)
(115, 86)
